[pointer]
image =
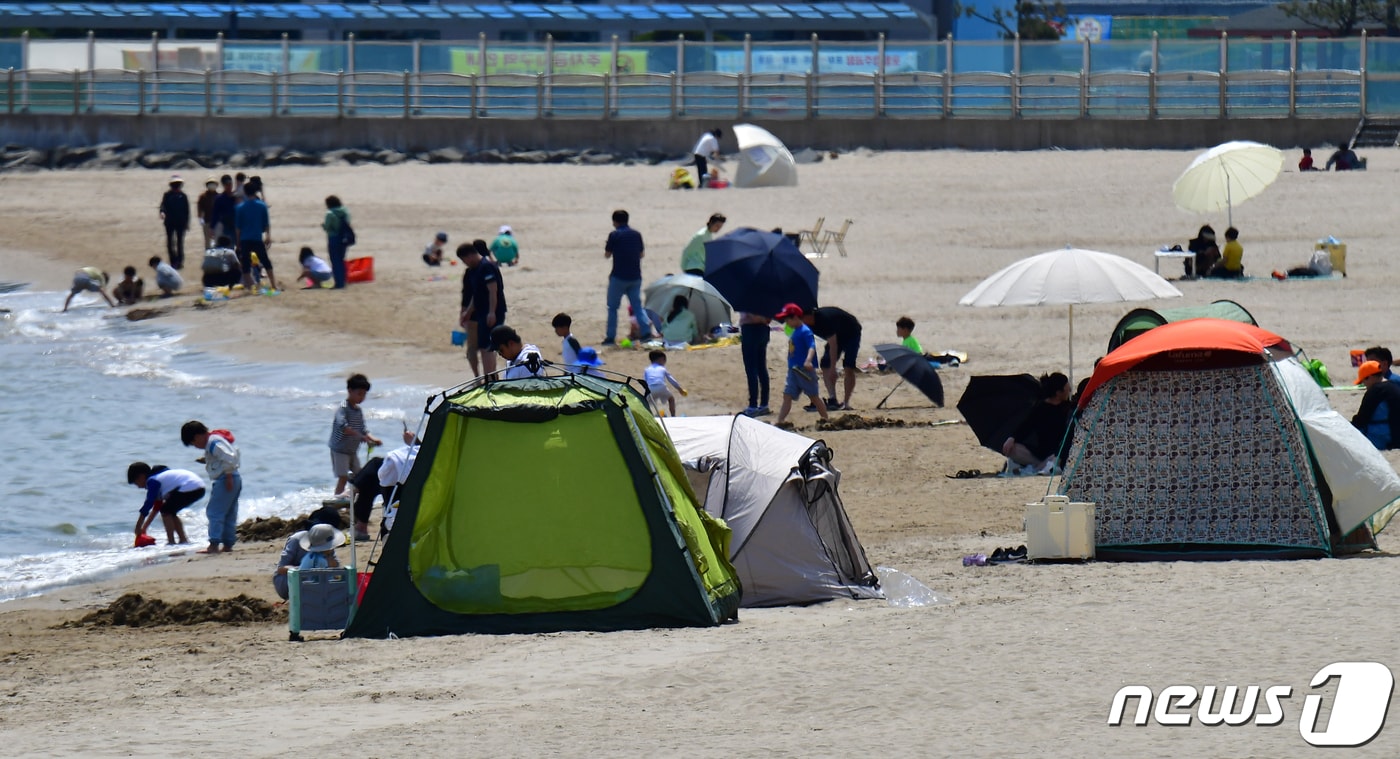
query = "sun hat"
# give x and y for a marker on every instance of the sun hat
(505, 229)
(211, 179)
(589, 357)
(791, 309)
(1367, 369)
(175, 179)
(442, 236)
(321, 538)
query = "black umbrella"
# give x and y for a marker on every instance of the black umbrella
(915, 369)
(995, 405)
(760, 272)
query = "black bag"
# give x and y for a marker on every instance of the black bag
(347, 232)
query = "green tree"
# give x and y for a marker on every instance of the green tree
(1344, 18)
(1032, 20)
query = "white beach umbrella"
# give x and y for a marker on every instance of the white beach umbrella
(1227, 175)
(1068, 277)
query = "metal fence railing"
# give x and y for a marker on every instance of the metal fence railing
(1123, 79)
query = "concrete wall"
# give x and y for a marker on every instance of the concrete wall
(669, 136)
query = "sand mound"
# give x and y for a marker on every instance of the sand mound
(268, 528)
(134, 610)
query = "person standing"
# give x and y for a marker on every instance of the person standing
(483, 304)
(626, 249)
(225, 212)
(802, 364)
(706, 147)
(175, 212)
(336, 222)
(841, 331)
(254, 228)
(753, 342)
(221, 463)
(204, 209)
(693, 258)
(347, 432)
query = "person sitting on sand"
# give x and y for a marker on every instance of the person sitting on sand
(1344, 158)
(293, 553)
(1378, 417)
(432, 255)
(1306, 162)
(167, 492)
(128, 291)
(1231, 263)
(1037, 441)
(92, 279)
(1207, 253)
(522, 359)
(679, 327)
(904, 328)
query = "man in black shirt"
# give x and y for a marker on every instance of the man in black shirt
(483, 303)
(1037, 441)
(841, 331)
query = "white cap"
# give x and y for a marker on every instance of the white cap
(505, 230)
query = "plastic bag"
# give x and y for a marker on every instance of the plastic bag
(905, 592)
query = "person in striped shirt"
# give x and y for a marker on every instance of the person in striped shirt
(347, 432)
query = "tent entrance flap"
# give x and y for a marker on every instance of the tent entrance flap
(565, 531)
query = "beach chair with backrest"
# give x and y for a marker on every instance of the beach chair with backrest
(838, 237)
(813, 235)
(319, 599)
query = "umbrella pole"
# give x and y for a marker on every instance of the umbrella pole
(1071, 345)
(881, 404)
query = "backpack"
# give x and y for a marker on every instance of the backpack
(347, 232)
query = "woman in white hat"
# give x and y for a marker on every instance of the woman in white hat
(293, 553)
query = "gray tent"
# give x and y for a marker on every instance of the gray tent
(793, 543)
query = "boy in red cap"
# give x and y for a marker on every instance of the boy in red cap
(802, 363)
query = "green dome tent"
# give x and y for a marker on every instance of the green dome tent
(545, 504)
(1140, 320)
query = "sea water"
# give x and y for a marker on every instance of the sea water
(83, 394)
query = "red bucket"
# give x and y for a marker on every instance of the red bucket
(359, 269)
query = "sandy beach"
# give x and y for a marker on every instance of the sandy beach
(1025, 659)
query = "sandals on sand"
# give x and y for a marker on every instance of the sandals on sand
(965, 474)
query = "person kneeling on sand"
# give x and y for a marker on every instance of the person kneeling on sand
(1037, 441)
(292, 550)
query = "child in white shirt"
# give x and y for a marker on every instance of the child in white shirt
(657, 377)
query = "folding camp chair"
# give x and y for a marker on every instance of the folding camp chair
(838, 237)
(319, 599)
(813, 235)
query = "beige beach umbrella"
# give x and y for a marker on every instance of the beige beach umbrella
(1227, 175)
(1066, 278)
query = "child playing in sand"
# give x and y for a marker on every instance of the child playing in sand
(167, 491)
(802, 363)
(657, 376)
(347, 432)
(904, 327)
(221, 462)
(128, 291)
(167, 279)
(432, 255)
(504, 248)
(569, 347)
(320, 543)
(589, 362)
(1231, 263)
(314, 269)
(92, 279)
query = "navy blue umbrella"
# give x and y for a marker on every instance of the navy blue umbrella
(760, 272)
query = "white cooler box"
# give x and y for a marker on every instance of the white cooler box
(1057, 528)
